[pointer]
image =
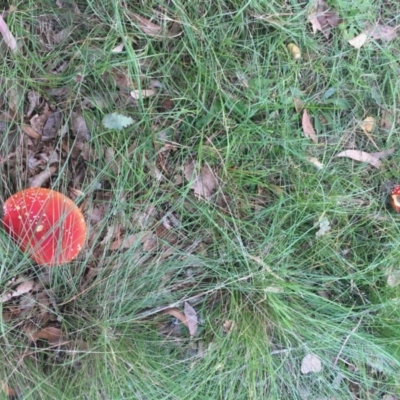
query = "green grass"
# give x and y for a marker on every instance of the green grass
(247, 255)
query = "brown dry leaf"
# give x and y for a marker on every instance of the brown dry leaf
(52, 334)
(34, 102)
(191, 319)
(384, 153)
(32, 133)
(39, 179)
(313, 18)
(79, 127)
(51, 126)
(322, 18)
(358, 41)
(148, 27)
(308, 128)
(204, 183)
(383, 32)
(311, 363)
(361, 156)
(176, 313)
(298, 104)
(8, 37)
(387, 120)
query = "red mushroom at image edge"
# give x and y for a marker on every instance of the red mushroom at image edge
(395, 197)
(45, 224)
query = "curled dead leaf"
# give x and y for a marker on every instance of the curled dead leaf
(32, 133)
(52, 334)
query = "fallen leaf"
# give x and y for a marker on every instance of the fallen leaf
(387, 120)
(41, 178)
(313, 18)
(358, 41)
(362, 156)
(294, 51)
(32, 133)
(204, 183)
(308, 128)
(191, 318)
(79, 127)
(322, 18)
(8, 37)
(316, 162)
(34, 102)
(23, 288)
(148, 27)
(117, 121)
(118, 49)
(298, 104)
(384, 153)
(52, 126)
(176, 313)
(311, 363)
(137, 94)
(383, 32)
(52, 334)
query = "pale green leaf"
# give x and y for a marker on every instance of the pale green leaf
(117, 121)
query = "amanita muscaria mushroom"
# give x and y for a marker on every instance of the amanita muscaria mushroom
(395, 197)
(46, 224)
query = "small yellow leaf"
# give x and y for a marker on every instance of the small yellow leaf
(358, 41)
(368, 124)
(294, 51)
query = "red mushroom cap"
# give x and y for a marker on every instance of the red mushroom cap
(395, 197)
(46, 224)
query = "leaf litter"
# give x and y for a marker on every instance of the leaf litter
(323, 18)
